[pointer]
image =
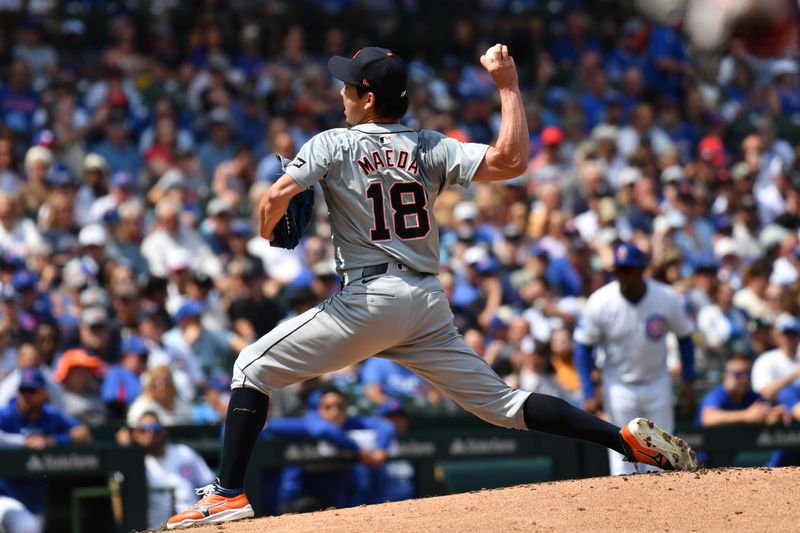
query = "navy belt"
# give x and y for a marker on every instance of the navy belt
(374, 270)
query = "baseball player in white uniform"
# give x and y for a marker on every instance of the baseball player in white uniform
(629, 319)
(380, 179)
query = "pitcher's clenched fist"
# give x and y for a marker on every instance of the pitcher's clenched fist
(500, 66)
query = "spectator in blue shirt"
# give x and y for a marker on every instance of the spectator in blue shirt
(122, 383)
(218, 147)
(628, 51)
(594, 99)
(669, 65)
(400, 472)
(734, 401)
(367, 438)
(567, 50)
(211, 348)
(559, 273)
(386, 380)
(118, 151)
(29, 414)
(213, 407)
(217, 229)
(18, 102)
(788, 399)
(34, 308)
(249, 60)
(250, 123)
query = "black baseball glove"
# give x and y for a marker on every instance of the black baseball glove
(290, 227)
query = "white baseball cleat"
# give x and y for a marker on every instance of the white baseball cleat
(647, 443)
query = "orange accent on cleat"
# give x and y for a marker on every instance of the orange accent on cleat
(211, 509)
(647, 443)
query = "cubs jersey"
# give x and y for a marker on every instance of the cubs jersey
(632, 335)
(380, 182)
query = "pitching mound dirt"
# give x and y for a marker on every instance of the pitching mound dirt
(758, 499)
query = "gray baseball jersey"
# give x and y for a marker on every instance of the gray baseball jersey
(380, 182)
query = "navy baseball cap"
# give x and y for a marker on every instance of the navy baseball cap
(60, 174)
(787, 323)
(487, 266)
(628, 255)
(705, 263)
(539, 251)
(376, 69)
(219, 382)
(122, 180)
(11, 261)
(241, 228)
(31, 378)
(23, 279)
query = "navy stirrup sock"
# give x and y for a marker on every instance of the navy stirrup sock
(222, 491)
(247, 413)
(553, 415)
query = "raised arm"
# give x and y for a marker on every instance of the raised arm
(508, 158)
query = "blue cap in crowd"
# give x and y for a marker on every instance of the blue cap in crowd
(538, 251)
(241, 228)
(705, 263)
(31, 378)
(724, 222)
(111, 216)
(219, 382)
(787, 323)
(497, 322)
(486, 266)
(628, 255)
(122, 180)
(134, 344)
(24, 279)
(12, 261)
(60, 174)
(188, 309)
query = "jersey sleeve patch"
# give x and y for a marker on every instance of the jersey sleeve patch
(297, 162)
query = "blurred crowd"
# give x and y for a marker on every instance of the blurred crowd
(136, 138)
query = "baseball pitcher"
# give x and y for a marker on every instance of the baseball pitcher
(380, 179)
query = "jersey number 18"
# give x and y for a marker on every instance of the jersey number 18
(408, 202)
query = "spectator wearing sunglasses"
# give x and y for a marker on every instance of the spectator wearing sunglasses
(734, 401)
(306, 489)
(173, 470)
